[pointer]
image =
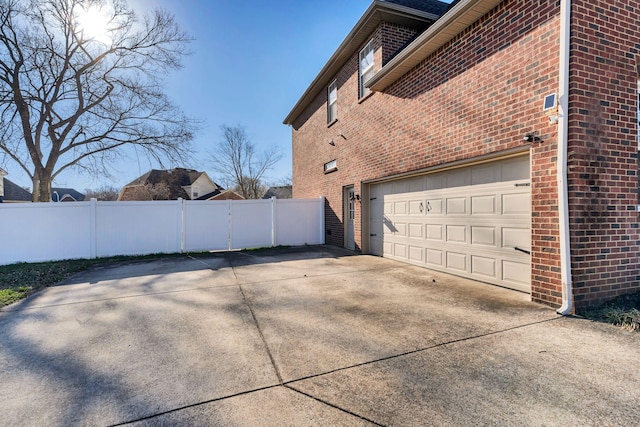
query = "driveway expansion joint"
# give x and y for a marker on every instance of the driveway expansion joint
(324, 402)
(194, 405)
(419, 350)
(256, 323)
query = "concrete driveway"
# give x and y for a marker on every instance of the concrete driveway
(305, 337)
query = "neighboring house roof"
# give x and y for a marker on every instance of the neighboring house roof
(14, 193)
(279, 192)
(226, 195)
(418, 14)
(176, 179)
(59, 194)
(3, 172)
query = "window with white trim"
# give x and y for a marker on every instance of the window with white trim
(330, 166)
(366, 68)
(332, 102)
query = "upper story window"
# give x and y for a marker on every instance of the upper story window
(332, 102)
(366, 68)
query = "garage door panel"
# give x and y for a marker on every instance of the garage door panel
(483, 236)
(516, 204)
(434, 257)
(400, 208)
(434, 232)
(415, 231)
(416, 207)
(483, 205)
(516, 237)
(484, 266)
(389, 227)
(434, 206)
(387, 248)
(516, 273)
(469, 230)
(456, 234)
(415, 253)
(457, 206)
(400, 250)
(457, 261)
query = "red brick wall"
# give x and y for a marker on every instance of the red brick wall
(392, 39)
(477, 95)
(603, 149)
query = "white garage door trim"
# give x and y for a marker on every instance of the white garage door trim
(459, 227)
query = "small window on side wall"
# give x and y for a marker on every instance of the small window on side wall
(366, 68)
(332, 102)
(330, 166)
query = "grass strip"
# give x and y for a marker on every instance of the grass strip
(18, 281)
(623, 311)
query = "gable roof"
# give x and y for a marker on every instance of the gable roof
(14, 193)
(175, 179)
(66, 194)
(178, 176)
(417, 14)
(225, 195)
(279, 192)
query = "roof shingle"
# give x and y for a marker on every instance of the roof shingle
(430, 6)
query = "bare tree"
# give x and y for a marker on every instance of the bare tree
(104, 193)
(72, 99)
(239, 165)
(157, 191)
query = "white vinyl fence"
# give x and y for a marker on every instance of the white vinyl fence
(33, 232)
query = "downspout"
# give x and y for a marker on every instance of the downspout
(563, 142)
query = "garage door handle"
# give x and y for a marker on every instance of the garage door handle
(522, 250)
(421, 207)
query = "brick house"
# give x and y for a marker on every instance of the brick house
(495, 140)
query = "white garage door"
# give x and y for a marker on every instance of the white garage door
(474, 222)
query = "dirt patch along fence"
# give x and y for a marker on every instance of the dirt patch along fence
(33, 232)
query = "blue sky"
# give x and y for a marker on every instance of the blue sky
(250, 63)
